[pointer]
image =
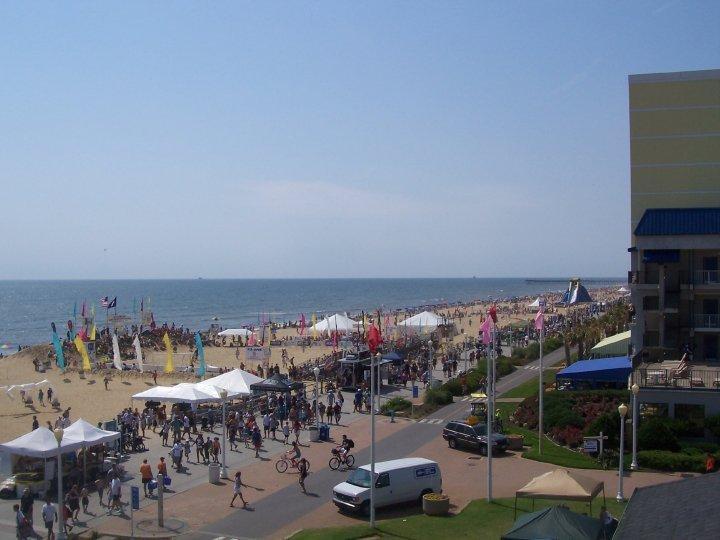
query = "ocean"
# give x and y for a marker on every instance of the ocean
(28, 307)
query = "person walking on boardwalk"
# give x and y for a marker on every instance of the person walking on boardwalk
(237, 490)
(303, 469)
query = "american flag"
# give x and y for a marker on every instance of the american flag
(104, 302)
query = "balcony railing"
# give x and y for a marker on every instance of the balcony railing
(707, 320)
(707, 277)
(644, 278)
(692, 379)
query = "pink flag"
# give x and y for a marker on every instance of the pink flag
(251, 340)
(486, 328)
(539, 320)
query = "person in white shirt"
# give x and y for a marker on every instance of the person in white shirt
(49, 515)
(116, 492)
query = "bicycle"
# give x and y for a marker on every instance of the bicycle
(282, 464)
(335, 462)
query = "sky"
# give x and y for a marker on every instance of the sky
(326, 139)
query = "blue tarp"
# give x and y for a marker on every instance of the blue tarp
(394, 356)
(615, 369)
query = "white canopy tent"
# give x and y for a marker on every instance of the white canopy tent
(623, 290)
(85, 433)
(181, 393)
(26, 387)
(424, 320)
(237, 383)
(536, 303)
(338, 322)
(156, 393)
(243, 332)
(39, 443)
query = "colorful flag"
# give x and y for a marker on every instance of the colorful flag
(60, 357)
(374, 338)
(201, 355)
(117, 361)
(314, 322)
(486, 328)
(539, 320)
(80, 346)
(138, 352)
(75, 310)
(251, 340)
(92, 312)
(70, 329)
(493, 313)
(104, 301)
(113, 303)
(82, 313)
(169, 366)
(302, 325)
(93, 330)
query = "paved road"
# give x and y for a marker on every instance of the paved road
(287, 504)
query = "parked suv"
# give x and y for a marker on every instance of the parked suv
(463, 434)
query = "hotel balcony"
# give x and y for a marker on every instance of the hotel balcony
(665, 375)
(707, 278)
(706, 321)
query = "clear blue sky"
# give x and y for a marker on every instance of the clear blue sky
(312, 139)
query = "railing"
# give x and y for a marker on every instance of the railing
(707, 277)
(644, 278)
(692, 379)
(707, 320)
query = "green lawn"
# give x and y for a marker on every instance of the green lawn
(480, 519)
(530, 388)
(552, 453)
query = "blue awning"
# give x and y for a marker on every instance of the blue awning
(676, 221)
(393, 356)
(616, 369)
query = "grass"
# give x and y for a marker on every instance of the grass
(530, 388)
(479, 519)
(552, 453)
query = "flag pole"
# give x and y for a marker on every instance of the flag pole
(541, 392)
(489, 391)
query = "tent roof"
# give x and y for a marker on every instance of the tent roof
(276, 383)
(40, 443)
(181, 393)
(237, 382)
(616, 368)
(235, 332)
(617, 344)
(341, 322)
(84, 432)
(426, 318)
(536, 303)
(557, 523)
(393, 356)
(561, 484)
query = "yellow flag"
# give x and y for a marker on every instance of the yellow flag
(169, 367)
(92, 333)
(80, 345)
(314, 322)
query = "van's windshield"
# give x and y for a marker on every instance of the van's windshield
(360, 478)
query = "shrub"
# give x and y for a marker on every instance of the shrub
(570, 436)
(395, 404)
(437, 397)
(656, 434)
(704, 447)
(519, 353)
(670, 461)
(453, 386)
(609, 424)
(713, 424)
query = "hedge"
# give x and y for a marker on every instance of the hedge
(437, 397)
(671, 461)
(395, 404)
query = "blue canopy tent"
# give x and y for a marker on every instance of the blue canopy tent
(599, 373)
(393, 356)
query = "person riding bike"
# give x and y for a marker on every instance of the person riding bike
(344, 449)
(293, 454)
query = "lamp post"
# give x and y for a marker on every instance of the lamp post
(430, 366)
(61, 530)
(373, 360)
(316, 372)
(622, 409)
(635, 389)
(489, 389)
(223, 469)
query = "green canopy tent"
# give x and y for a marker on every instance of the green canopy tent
(617, 345)
(555, 523)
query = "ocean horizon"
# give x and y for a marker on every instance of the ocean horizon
(27, 307)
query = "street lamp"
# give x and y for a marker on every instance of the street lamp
(373, 360)
(635, 389)
(430, 366)
(61, 505)
(622, 409)
(316, 372)
(223, 470)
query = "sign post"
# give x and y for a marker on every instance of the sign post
(134, 505)
(161, 489)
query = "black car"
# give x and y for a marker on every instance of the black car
(458, 434)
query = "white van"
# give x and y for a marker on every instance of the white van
(396, 481)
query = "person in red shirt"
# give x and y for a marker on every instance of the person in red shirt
(146, 475)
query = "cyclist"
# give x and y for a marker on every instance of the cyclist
(344, 448)
(293, 454)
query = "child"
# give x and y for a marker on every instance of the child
(286, 432)
(85, 499)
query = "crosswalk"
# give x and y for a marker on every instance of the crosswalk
(532, 367)
(431, 421)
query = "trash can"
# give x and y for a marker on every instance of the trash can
(314, 434)
(214, 473)
(324, 432)
(416, 391)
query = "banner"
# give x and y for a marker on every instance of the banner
(60, 357)
(93, 329)
(169, 366)
(80, 345)
(138, 353)
(201, 355)
(314, 322)
(117, 362)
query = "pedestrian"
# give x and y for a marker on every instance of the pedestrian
(208, 449)
(85, 499)
(186, 448)
(73, 501)
(116, 492)
(100, 488)
(186, 426)
(23, 526)
(162, 467)
(337, 409)
(146, 475)
(237, 490)
(257, 441)
(176, 452)
(232, 432)
(286, 432)
(303, 469)
(296, 430)
(321, 411)
(216, 449)
(26, 504)
(49, 515)
(35, 423)
(199, 444)
(266, 425)
(50, 395)
(154, 376)
(106, 381)
(165, 432)
(41, 398)
(273, 426)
